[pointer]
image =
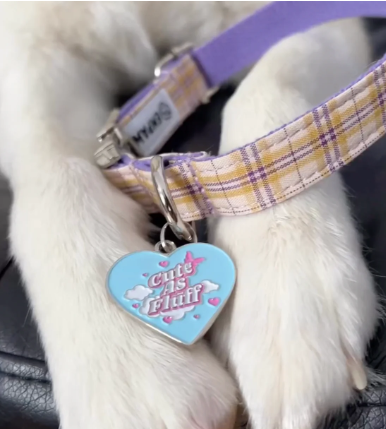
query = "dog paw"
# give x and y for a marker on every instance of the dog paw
(304, 307)
(303, 310)
(143, 383)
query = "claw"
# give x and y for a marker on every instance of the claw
(358, 373)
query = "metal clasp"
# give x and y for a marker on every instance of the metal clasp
(175, 53)
(180, 228)
(110, 139)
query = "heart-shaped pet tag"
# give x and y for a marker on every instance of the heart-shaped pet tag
(178, 294)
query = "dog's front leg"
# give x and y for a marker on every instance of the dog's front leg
(68, 226)
(304, 307)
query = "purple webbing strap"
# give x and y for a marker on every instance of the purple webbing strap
(232, 52)
(246, 42)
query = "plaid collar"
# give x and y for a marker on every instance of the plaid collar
(267, 171)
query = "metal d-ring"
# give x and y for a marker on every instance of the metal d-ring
(180, 228)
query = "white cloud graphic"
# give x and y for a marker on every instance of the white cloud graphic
(139, 293)
(178, 314)
(209, 286)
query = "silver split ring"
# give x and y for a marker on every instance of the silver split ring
(182, 229)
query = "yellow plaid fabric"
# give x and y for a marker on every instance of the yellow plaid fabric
(274, 168)
(185, 85)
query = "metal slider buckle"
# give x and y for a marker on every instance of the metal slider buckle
(172, 157)
(110, 139)
(175, 53)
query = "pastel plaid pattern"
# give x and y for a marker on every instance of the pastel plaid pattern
(274, 168)
(185, 85)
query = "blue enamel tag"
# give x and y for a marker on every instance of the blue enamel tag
(178, 294)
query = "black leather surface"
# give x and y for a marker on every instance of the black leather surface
(25, 388)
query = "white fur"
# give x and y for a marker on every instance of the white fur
(301, 277)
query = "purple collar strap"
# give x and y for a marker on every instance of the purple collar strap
(262, 173)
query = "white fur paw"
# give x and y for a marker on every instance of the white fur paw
(304, 308)
(146, 382)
